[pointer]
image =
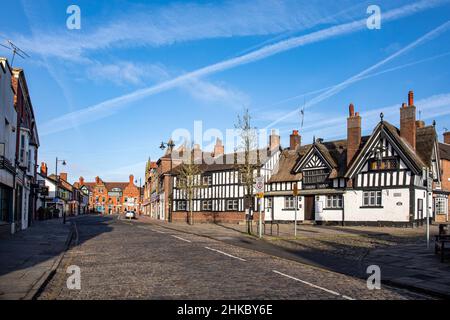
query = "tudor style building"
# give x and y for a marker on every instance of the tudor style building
(376, 179)
(222, 195)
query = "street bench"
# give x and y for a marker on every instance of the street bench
(439, 245)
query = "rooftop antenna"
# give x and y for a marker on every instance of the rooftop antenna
(302, 112)
(15, 50)
(420, 114)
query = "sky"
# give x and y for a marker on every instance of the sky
(138, 72)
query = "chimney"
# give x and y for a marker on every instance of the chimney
(353, 133)
(81, 181)
(218, 148)
(447, 137)
(97, 180)
(131, 179)
(420, 124)
(295, 140)
(408, 121)
(197, 154)
(63, 176)
(44, 169)
(274, 140)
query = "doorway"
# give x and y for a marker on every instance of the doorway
(309, 208)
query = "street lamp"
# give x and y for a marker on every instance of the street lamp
(63, 162)
(170, 145)
(140, 198)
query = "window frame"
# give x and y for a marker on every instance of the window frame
(235, 204)
(372, 199)
(334, 201)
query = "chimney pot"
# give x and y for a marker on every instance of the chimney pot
(410, 98)
(81, 181)
(351, 110)
(63, 176)
(131, 179)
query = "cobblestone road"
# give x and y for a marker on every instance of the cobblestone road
(127, 260)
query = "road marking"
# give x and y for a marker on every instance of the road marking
(313, 285)
(182, 239)
(227, 254)
(157, 231)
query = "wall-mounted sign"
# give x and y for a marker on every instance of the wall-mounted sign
(397, 194)
(319, 206)
(399, 203)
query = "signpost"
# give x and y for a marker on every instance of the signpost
(429, 182)
(259, 189)
(295, 193)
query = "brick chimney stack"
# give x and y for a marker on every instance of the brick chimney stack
(219, 148)
(295, 140)
(353, 132)
(197, 154)
(44, 169)
(81, 181)
(408, 121)
(131, 179)
(63, 176)
(447, 137)
(274, 140)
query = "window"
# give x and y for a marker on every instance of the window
(22, 148)
(181, 205)
(206, 180)
(289, 202)
(372, 198)
(334, 201)
(385, 164)
(315, 176)
(207, 205)
(232, 205)
(439, 205)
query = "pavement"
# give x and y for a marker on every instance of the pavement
(400, 253)
(28, 258)
(122, 259)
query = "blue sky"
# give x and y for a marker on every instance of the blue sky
(106, 95)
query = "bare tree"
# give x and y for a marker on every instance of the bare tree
(189, 180)
(247, 160)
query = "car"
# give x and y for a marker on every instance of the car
(130, 215)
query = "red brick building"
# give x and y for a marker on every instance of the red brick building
(112, 197)
(444, 149)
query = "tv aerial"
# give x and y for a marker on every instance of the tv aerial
(15, 50)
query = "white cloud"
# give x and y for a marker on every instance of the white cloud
(150, 25)
(108, 107)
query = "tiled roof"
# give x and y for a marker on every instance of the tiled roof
(444, 151)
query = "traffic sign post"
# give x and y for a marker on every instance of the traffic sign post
(259, 188)
(295, 193)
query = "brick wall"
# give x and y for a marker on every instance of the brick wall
(445, 178)
(211, 216)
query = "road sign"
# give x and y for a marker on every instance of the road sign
(259, 185)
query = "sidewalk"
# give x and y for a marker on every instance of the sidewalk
(400, 252)
(413, 266)
(28, 257)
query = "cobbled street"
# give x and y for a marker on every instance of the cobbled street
(121, 259)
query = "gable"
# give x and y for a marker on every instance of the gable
(387, 145)
(313, 159)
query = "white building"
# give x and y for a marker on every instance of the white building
(378, 179)
(8, 127)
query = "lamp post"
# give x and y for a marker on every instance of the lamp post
(63, 162)
(170, 145)
(140, 195)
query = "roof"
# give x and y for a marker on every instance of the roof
(286, 164)
(227, 161)
(425, 139)
(444, 151)
(63, 183)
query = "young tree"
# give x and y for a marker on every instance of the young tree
(248, 160)
(189, 180)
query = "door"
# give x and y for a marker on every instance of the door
(309, 208)
(420, 209)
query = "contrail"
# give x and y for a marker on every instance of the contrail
(396, 68)
(340, 86)
(108, 107)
